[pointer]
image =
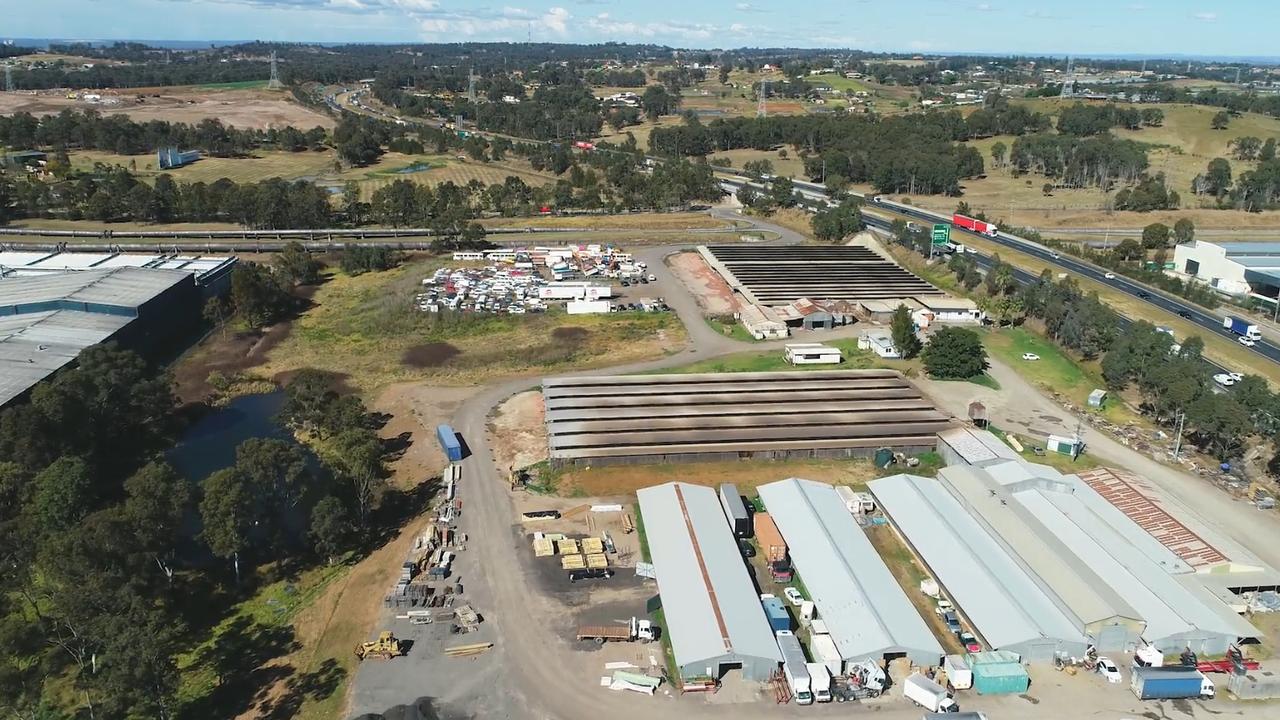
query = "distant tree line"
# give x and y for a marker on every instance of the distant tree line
(88, 130)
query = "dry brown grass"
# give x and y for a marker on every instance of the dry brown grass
(260, 166)
(243, 108)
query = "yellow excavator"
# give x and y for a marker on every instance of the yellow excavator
(384, 648)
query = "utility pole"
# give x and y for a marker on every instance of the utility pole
(1177, 439)
(762, 109)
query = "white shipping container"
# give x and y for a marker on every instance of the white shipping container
(824, 650)
(586, 307)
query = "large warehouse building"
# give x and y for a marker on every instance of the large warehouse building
(47, 319)
(1235, 268)
(865, 610)
(719, 416)
(776, 275)
(1117, 580)
(714, 617)
(212, 273)
(1001, 599)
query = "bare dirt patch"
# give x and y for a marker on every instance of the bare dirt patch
(519, 431)
(570, 334)
(626, 479)
(229, 353)
(430, 355)
(258, 109)
(713, 294)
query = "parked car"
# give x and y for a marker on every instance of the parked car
(793, 596)
(952, 620)
(970, 642)
(747, 549)
(1108, 670)
(590, 574)
(1030, 356)
(1224, 379)
(944, 606)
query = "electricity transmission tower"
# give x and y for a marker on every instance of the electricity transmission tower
(8, 78)
(762, 103)
(274, 83)
(471, 85)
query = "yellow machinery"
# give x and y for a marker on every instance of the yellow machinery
(384, 648)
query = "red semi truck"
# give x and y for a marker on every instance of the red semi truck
(978, 226)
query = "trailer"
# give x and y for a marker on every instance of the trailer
(823, 649)
(735, 511)
(959, 675)
(1243, 328)
(768, 538)
(793, 667)
(635, 629)
(1170, 683)
(776, 612)
(449, 443)
(928, 694)
(819, 681)
(974, 225)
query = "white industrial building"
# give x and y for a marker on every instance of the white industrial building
(1234, 268)
(715, 621)
(812, 354)
(1118, 582)
(971, 446)
(1000, 598)
(865, 610)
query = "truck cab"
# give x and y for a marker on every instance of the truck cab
(819, 681)
(1207, 689)
(642, 630)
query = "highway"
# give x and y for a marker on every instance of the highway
(815, 195)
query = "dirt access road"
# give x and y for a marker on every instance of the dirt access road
(524, 677)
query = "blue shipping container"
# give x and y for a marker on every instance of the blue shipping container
(449, 443)
(779, 619)
(1166, 683)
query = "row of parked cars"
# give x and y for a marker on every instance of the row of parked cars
(951, 619)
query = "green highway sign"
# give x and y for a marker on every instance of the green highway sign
(941, 234)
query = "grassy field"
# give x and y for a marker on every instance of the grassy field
(839, 82)
(364, 328)
(626, 479)
(261, 166)
(1218, 348)
(774, 361)
(1055, 370)
(1061, 463)
(241, 85)
(791, 166)
(1182, 148)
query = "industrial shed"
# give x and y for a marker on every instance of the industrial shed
(722, 416)
(866, 612)
(714, 617)
(47, 320)
(970, 446)
(778, 275)
(1103, 561)
(1002, 601)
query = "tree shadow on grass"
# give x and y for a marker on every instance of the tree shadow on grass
(237, 657)
(312, 686)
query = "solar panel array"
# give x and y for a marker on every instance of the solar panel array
(777, 275)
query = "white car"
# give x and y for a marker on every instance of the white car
(1246, 341)
(1235, 376)
(1225, 379)
(1108, 670)
(944, 606)
(1110, 276)
(793, 596)
(1030, 356)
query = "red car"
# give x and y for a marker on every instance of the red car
(970, 642)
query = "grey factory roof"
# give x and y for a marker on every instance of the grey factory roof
(1044, 556)
(35, 345)
(866, 611)
(126, 288)
(977, 446)
(19, 263)
(1246, 249)
(1002, 600)
(777, 275)
(1100, 547)
(711, 607)
(665, 415)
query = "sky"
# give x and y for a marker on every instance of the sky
(1149, 27)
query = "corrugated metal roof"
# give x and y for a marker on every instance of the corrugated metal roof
(977, 446)
(125, 287)
(866, 611)
(1247, 248)
(1046, 557)
(994, 592)
(35, 345)
(14, 263)
(710, 604)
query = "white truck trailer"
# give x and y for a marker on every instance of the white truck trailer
(819, 682)
(793, 667)
(928, 694)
